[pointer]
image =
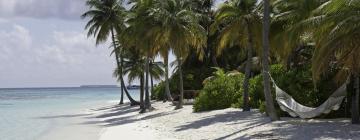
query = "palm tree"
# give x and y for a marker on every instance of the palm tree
(134, 67)
(288, 31)
(164, 52)
(337, 36)
(106, 18)
(242, 27)
(204, 7)
(119, 73)
(134, 64)
(156, 71)
(270, 108)
(143, 29)
(180, 30)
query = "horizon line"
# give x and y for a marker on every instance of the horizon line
(50, 87)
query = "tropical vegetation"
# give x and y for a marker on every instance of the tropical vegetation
(308, 47)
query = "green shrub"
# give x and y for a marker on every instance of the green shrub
(256, 89)
(158, 92)
(220, 92)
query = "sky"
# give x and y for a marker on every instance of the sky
(43, 44)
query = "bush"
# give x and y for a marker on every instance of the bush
(221, 92)
(256, 89)
(158, 92)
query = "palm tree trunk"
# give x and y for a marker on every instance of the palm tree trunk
(142, 106)
(246, 106)
(212, 54)
(132, 101)
(355, 101)
(213, 59)
(181, 85)
(151, 82)
(167, 95)
(147, 95)
(211, 47)
(122, 96)
(270, 108)
(118, 66)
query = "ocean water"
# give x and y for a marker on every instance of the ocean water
(25, 113)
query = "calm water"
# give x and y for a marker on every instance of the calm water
(24, 112)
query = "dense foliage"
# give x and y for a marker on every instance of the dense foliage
(221, 91)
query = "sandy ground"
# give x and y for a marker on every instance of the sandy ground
(124, 122)
(114, 122)
(72, 126)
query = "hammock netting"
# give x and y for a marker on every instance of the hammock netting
(295, 109)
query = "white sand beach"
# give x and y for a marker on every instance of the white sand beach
(115, 122)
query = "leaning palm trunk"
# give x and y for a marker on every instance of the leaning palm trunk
(181, 85)
(167, 95)
(355, 101)
(246, 106)
(147, 95)
(118, 66)
(132, 101)
(270, 108)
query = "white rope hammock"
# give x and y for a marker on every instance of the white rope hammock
(295, 109)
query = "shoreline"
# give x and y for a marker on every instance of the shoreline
(73, 124)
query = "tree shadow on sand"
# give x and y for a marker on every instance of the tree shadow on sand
(120, 115)
(234, 116)
(64, 116)
(251, 126)
(118, 112)
(288, 128)
(305, 130)
(109, 107)
(132, 119)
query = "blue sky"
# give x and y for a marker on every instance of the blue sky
(43, 44)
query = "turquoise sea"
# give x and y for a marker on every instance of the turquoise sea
(25, 114)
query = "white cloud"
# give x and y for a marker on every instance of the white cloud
(66, 58)
(16, 40)
(2, 20)
(64, 9)
(70, 48)
(64, 47)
